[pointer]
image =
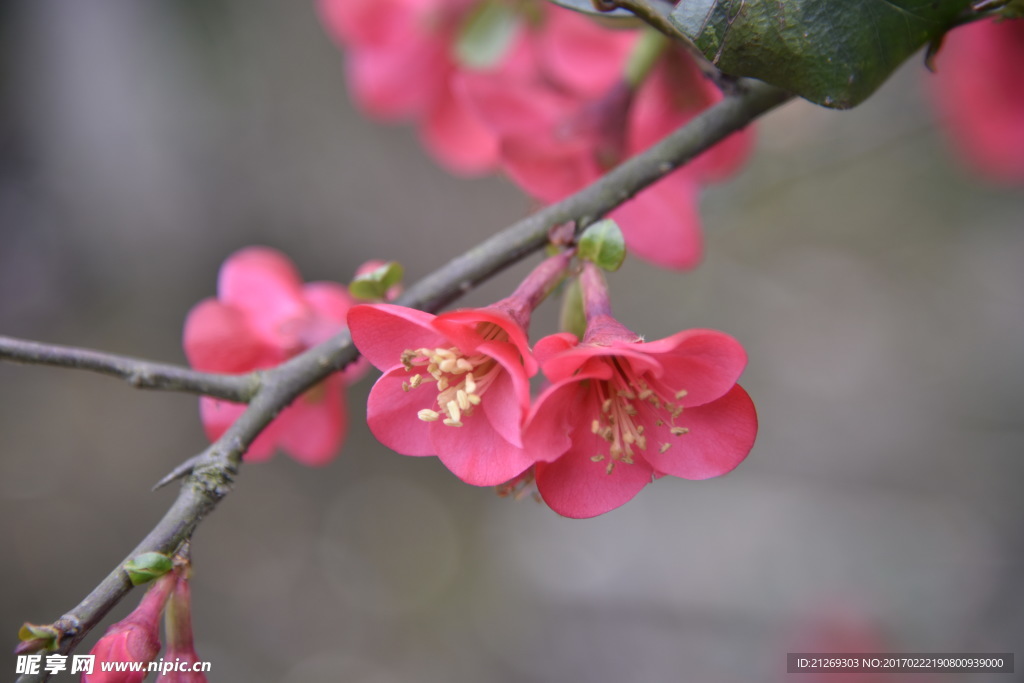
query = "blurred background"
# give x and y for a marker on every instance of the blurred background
(877, 285)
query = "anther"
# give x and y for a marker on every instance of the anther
(453, 411)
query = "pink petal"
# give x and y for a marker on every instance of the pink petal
(672, 95)
(217, 416)
(596, 361)
(721, 434)
(392, 412)
(725, 159)
(505, 405)
(400, 81)
(704, 363)
(662, 224)
(546, 171)
(218, 338)
(462, 328)
(261, 281)
(979, 88)
(579, 362)
(511, 361)
(454, 324)
(382, 332)
(553, 345)
(476, 454)
(581, 54)
(512, 106)
(457, 139)
(575, 486)
(365, 22)
(546, 434)
(312, 428)
(329, 300)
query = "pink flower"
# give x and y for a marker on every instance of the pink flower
(979, 89)
(662, 223)
(455, 385)
(262, 316)
(623, 412)
(571, 116)
(180, 649)
(400, 61)
(136, 638)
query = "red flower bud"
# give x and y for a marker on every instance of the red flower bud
(136, 638)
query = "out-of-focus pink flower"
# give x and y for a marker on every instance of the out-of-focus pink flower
(662, 223)
(624, 412)
(262, 316)
(136, 638)
(180, 648)
(979, 90)
(572, 116)
(400, 61)
(455, 385)
(843, 630)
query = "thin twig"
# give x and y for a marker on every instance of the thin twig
(139, 373)
(212, 476)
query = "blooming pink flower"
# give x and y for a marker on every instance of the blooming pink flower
(180, 648)
(262, 316)
(136, 638)
(979, 89)
(572, 116)
(623, 412)
(400, 61)
(455, 385)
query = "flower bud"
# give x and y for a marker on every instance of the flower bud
(136, 638)
(181, 654)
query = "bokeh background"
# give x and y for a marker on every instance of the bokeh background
(876, 283)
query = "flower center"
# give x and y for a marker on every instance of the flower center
(461, 379)
(619, 420)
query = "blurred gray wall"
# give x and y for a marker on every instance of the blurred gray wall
(878, 287)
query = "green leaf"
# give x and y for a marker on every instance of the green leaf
(147, 566)
(1013, 9)
(603, 245)
(832, 52)
(38, 638)
(485, 35)
(374, 286)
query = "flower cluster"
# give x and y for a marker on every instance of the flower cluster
(617, 414)
(547, 95)
(262, 316)
(979, 89)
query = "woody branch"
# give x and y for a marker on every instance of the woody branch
(209, 476)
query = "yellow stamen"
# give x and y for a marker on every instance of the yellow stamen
(460, 380)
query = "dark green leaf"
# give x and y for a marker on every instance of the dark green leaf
(832, 52)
